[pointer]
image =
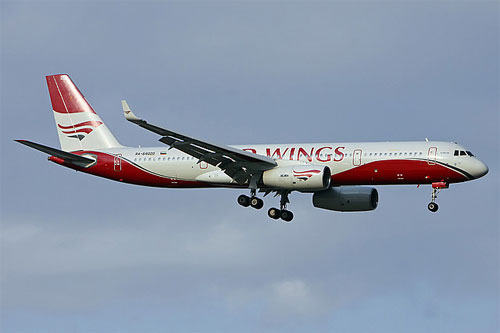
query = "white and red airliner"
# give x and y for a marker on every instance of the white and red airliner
(332, 172)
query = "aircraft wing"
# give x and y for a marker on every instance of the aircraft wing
(238, 164)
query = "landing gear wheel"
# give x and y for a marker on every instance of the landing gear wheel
(274, 213)
(256, 203)
(433, 207)
(286, 215)
(244, 200)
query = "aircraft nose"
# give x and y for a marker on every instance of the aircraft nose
(479, 169)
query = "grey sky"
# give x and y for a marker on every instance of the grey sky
(80, 253)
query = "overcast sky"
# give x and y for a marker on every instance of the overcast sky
(85, 254)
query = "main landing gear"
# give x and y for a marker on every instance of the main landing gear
(273, 213)
(252, 201)
(282, 213)
(436, 188)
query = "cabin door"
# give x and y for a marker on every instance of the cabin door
(432, 155)
(117, 162)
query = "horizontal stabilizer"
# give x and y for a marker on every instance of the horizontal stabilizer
(67, 157)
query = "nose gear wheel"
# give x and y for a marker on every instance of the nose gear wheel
(436, 188)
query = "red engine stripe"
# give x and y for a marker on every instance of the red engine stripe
(307, 171)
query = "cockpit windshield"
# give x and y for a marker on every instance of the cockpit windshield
(462, 153)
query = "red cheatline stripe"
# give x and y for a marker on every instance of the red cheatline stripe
(307, 171)
(81, 130)
(94, 123)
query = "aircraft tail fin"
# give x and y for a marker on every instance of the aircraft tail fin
(78, 126)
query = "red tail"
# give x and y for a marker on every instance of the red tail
(65, 96)
(78, 126)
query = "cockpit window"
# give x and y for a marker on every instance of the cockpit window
(469, 153)
(462, 153)
(456, 153)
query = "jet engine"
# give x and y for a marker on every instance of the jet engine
(306, 177)
(347, 199)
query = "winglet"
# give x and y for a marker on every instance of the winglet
(129, 115)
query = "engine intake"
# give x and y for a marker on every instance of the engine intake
(299, 177)
(347, 199)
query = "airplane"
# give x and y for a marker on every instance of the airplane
(333, 172)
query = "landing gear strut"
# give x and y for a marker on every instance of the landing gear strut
(436, 188)
(285, 214)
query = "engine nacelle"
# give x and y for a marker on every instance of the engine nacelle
(347, 199)
(298, 177)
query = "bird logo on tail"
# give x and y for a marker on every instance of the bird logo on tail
(81, 130)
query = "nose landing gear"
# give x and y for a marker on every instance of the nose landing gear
(436, 188)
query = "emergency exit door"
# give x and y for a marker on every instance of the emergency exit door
(356, 157)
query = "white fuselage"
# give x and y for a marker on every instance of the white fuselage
(339, 157)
